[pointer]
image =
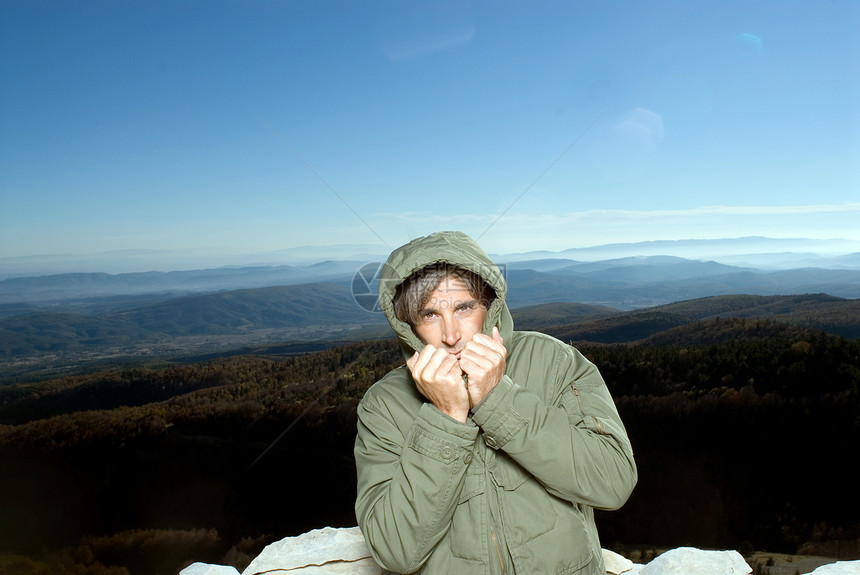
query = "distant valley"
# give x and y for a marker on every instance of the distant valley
(681, 269)
(286, 320)
(63, 323)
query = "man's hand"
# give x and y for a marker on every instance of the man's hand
(438, 377)
(483, 360)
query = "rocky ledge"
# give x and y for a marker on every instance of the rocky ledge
(338, 551)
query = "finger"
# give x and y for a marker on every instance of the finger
(474, 369)
(440, 362)
(420, 359)
(494, 340)
(433, 364)
(410, 363)
(475, 364)
(486, 347)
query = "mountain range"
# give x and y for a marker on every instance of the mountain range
(626, 282)
(66, 321)
(754, 251)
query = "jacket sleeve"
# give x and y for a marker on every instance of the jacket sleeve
(408, 487)
(573, 442)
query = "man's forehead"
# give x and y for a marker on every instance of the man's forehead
(449, 299)
(451, 285)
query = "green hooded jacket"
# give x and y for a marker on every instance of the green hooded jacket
(512, 490)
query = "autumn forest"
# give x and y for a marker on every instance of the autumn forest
(743, 430)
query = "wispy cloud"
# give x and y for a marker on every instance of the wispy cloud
(849, 207)
(415, 30)
(844, 208)
(518, 230)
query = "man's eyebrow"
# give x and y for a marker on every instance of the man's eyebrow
(465, 302)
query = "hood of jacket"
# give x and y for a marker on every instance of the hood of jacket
(454, 248)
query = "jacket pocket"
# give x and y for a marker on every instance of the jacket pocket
(590, 405)
(544, 534)
(467, 534)
(576, 402)
(506, 472)
(559, 552)
(564, 548)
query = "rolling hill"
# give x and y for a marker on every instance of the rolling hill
(184, 326)
(296, 319)
(69, 321)
(818, 312)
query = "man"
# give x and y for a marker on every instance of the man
(488, 450)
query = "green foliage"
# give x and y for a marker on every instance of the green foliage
(725, 434)
(134, 551)
(754, 353)
(698, 320)
(546, 315)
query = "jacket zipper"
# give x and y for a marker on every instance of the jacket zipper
(582, 411)
(498, 550)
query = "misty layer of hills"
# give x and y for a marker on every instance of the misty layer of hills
(623, 283)
(69, 320)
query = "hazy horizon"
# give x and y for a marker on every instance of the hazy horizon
(752, 250)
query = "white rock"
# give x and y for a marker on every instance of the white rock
(330, 551)
(326, 550)
(207, 569)
(615, 563)
(360, 567)
(839, 568)
(691, 561)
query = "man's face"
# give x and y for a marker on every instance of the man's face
(451, 317)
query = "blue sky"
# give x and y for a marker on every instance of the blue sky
(231, 127)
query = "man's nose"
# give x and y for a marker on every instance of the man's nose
(450, 331)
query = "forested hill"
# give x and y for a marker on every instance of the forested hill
(311, 317)
(147, 469)
(77, 337)
(695, 321)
